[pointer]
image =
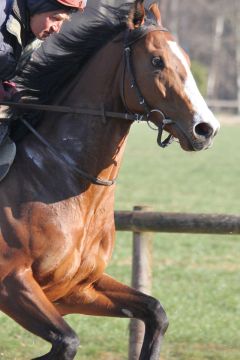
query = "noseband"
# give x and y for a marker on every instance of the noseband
(128, 65)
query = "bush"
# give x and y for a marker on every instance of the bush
(200, 74)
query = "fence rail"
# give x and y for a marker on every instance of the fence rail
(219, 104)
(142, 221)
(149, 221)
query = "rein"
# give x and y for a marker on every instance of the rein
(102, 113)
(75, 110)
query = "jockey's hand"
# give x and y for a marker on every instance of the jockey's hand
(10, 88)
(7, 90)
(2, 92)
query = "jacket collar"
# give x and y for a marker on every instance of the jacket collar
(21, 12)
(19, 23)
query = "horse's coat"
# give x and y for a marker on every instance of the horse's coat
(57, 229)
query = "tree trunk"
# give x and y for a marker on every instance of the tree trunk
(238, 56)
(217, 42)
(174, 17)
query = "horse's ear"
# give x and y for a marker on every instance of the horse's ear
(154, 8)
(136, 15)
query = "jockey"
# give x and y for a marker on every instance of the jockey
(21, 21)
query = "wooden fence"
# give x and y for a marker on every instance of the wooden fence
(142, 221)
(221, 105)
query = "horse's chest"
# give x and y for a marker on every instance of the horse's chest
(74, 251)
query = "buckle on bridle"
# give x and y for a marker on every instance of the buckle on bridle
(139, 117)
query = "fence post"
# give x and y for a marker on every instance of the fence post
(141, 280)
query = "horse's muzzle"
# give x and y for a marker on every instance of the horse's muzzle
(204, 131)
(199, 138)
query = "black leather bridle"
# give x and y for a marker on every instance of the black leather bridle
(129, 68)
(131, 37)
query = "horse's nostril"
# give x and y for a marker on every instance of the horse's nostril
(203, 129)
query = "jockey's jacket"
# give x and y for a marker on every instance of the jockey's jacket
(15, 35)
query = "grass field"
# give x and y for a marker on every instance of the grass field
(196, 277)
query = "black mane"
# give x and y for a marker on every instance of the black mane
(63, 55)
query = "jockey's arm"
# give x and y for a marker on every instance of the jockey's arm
(7, 65)
(7, 70)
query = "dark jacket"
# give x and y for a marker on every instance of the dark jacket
(15, 35)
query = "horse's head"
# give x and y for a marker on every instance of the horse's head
(164, 79)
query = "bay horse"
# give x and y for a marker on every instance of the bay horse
(57, 212)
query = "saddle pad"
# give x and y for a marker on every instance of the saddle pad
(7, 156)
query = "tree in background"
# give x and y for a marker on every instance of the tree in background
(209, 32)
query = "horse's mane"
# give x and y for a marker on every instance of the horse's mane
(63, 55)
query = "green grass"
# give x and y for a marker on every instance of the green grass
(196, 277)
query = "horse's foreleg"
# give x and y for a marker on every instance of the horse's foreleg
(107, 297)
(23, 300)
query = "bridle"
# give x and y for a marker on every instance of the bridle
(128, 115)
(128, 67)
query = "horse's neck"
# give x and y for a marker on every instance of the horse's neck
(93, 146)
(99, 83)
(98, 86)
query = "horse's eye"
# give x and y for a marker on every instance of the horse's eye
(158, 62)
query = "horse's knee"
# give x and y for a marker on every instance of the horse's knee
(65, 346)
(71, 342)
(157, 316)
